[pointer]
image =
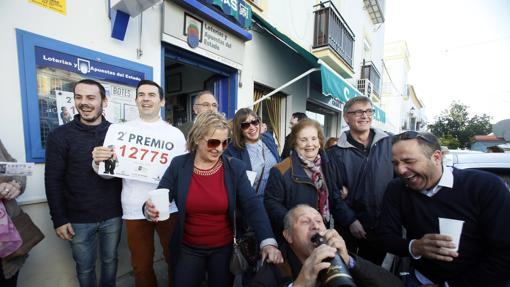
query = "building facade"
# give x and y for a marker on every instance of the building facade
(309, 56)
(404, 109)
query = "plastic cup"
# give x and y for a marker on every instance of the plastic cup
(452, 228)
(160, 199)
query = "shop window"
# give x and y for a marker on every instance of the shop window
(48, 71)
(269, 110)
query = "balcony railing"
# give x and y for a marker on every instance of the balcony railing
(332, 30)
(375, 9)
(369, 71)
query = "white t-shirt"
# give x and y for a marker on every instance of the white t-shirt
(134, 192)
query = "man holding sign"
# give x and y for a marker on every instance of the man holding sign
(141, 151)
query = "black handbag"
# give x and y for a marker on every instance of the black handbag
(238, 263)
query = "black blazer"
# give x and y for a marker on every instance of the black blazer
(177, 179)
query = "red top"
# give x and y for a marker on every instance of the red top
(207, 223)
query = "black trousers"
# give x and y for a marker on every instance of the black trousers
(11, 282)
(193, 262)
(368, 248)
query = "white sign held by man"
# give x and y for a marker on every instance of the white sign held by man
(139, 154)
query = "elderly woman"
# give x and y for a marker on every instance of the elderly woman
(10, 188)
(306, 177)
(257, 150)
(206, 185)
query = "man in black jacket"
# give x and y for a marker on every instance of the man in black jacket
(303, 260)
(83, 206)
(363, 157)
(294, 119)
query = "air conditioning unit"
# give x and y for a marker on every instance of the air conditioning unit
(365, 87)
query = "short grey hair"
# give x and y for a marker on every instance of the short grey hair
(289, 218)
(358, 99)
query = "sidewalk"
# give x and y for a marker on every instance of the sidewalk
(160, 267)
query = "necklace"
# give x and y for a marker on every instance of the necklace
(208, 172)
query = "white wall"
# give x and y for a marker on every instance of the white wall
(86, 24)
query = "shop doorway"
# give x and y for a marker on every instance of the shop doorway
(186, 74)
(325, 116)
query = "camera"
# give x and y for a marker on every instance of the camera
(337, 274)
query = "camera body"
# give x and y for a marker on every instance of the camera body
(337, 274)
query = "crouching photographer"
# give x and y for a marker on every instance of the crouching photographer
(304, 259)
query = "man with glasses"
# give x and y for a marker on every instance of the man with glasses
(140, 232)
(363, 156)
(428, 192)
(204, 101)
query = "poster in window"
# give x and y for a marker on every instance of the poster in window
(56, 74)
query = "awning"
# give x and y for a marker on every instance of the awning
(336, 86)
(332, 83)
(309, 57)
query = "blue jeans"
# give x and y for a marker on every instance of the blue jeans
(84, 247)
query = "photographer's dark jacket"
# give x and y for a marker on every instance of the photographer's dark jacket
(365, 176)
(364, 273)
(289, 185)
(75, 193)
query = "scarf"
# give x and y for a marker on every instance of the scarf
(314, 167)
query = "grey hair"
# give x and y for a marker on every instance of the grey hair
(289, 218)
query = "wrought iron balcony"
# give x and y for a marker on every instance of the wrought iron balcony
(369, 71)
(375, 9)
(332, 30)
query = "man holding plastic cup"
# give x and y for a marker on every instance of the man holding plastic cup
(430, 201)
(140, 232)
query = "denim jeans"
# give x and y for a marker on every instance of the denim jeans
(84, 247)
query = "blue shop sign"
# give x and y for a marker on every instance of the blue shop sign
(88, 67)
(237, 9)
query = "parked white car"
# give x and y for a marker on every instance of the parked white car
(497, 163)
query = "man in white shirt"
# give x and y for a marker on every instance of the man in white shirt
(140, 232)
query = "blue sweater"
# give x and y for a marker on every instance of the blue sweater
(75, 193)
(478, 198)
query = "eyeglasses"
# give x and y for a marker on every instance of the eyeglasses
(359, 113)
(246, 125)
(410, 135)
(214, 143)
(208, 105)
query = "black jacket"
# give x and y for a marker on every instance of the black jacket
(364, 176)
(289, 185)
(75, 193)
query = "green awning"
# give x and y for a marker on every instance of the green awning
(332, 83)
(309, 57)
(336, 86)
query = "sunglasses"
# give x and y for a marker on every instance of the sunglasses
(214, 143)
(246, 125)
(409, 135)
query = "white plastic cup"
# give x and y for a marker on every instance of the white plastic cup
(452, 228)
(160, 199)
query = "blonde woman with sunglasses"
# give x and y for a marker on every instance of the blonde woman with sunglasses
(205, 185)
